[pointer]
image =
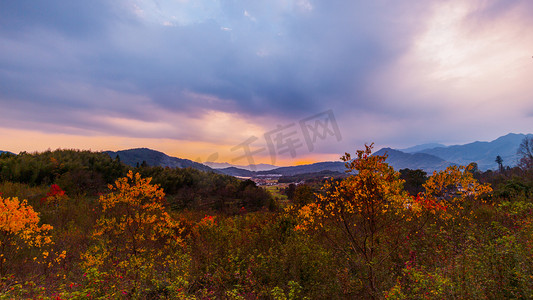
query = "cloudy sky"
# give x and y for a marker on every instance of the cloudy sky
(205, 79)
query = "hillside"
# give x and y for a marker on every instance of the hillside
(400, 160)
(238, 172)
(154, 158)
(223, 233)
(422, 147)
(483, 153)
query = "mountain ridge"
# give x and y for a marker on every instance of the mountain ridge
(401, 160)
(135, 156)
(482, 153)
(309, 168)
(421, 147)
(428, 159)
(256, 167)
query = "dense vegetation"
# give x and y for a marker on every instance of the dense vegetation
(80, 225)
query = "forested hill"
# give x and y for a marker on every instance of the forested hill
(74, 170)
(89, 173)
(153, 158)
(400, 160)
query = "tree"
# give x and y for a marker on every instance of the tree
(525, 151)
(55, 196)
(359, 213)
(499, 161)
(134, 216)
(456, 190)
(370, 218)
(303, 194)
(19, 229)
(289, 191)
(134, 231)
(414, 180)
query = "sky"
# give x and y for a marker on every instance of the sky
(265, 81)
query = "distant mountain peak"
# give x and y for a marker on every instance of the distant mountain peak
(135, 156)
(256, 167)
(401, 160)
(483, 153)
(428, 157)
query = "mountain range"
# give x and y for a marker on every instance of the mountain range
(482, 153)
(428, 157)
(256, 167)
(431, 157)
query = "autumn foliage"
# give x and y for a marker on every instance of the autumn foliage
(366, 235)
(367, 215)
(134, 216)
(19, 229)
(54, 195)
(357, 213)
(134, 232)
